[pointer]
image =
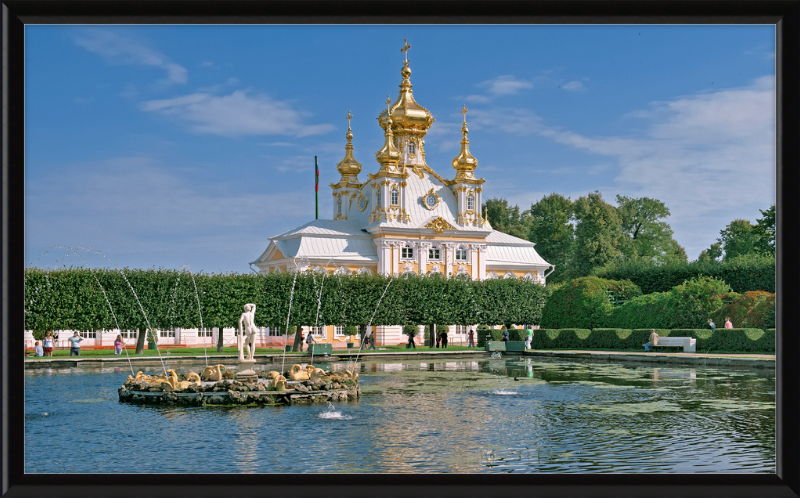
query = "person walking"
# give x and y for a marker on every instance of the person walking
(370, 340)
(471, 337)
(411, 343)
(37, 350)
(48, 343)
(528, 338)
(302, 339)
(309, 340)
(438, 339)
(444, 339)
(118, 344)
(75, 344)
(652, 341)
(728, 323)
(711, 325)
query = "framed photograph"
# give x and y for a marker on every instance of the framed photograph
(642, 152)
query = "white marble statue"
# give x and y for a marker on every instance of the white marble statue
(247, 334)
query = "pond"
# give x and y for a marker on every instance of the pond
(507, 415)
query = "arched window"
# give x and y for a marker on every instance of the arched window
(339, 205)
(471, 202)
(395, 196)
(411, 148)
(378, 198)
(461, 254)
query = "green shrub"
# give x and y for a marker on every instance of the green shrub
(442, 328)
(410, 330)
(730, 340)
(584, 302)
(753, 309)
(483, 331)
(744, 273)
(350, 330)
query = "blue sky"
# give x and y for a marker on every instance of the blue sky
(164, 146)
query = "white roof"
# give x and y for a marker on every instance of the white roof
(335, 228)
(504, 254)
(503, 238)
(347, 248)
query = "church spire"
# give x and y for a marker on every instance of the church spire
(388, 156)
(464, 163)
(349, 167)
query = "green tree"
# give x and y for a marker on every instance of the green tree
(738, 238)
(597, 233)
(765, 231)
(713, 253)
(507, 219)
(646, 236)
(552, 231)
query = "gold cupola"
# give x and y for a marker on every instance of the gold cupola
(465, 163)
(388, 156)
(407, 115)
(348, 167)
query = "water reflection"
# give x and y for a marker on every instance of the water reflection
(425, 417)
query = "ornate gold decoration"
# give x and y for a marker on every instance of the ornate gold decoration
(358, 201)
(388, 156)
(439, 225)
(349, 166)
(406, 114)
(424, 199)
(464, 163)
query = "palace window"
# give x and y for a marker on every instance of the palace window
(339, 205)
(411, 149)
(433, 254)
(88, 334)
(129, 334)
(461, 254)
(338, 331)
(205, 332)
(395, 196)
(318, 331)
(407, 253)
(471, 202)
(378, 198)
(166, 333)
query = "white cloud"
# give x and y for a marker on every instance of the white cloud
(505, 85)
(507, 120)
(574, 86)
(133, 208)
(116, 49)
(480, 99)
(236, 114)
(709, 157)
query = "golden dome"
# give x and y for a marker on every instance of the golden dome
(464, 163)
(407, 114)
(349, 166)
(388, 156)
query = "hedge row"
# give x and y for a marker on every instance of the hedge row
(729, 340)
(584, 302)
(84, 299)
(743, 274)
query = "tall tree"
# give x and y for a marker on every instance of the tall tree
(765, 231)
(646, 235)
(507, 219)
(552, 231)
(738, 238)
(713, 253)
(597, 233)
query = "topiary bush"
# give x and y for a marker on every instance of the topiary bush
(584, 302)
(410, 330)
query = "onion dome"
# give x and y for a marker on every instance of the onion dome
(405, 112)
(388, 156)
(464, 163)
(349, 166)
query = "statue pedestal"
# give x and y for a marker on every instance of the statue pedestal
(247, 374)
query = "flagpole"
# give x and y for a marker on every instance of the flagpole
(316, 188)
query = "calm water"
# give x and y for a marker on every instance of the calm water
(454, 417)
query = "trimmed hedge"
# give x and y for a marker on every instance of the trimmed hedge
(745, 273)
(72, 299)
(753, 309)
(483, 330)
(728, 340)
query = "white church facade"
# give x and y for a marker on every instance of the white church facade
(404, 218)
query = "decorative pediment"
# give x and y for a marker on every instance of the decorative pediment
(439, 225)
(509, 274)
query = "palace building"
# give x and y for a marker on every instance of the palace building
(405, 217)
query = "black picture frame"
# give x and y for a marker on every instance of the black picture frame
(15, 14)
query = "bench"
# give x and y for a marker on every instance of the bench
(688, 344)
(495, 346)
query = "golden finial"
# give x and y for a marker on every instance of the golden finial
(348, 166)
(348, 120)
(405, 48)
(464, 112)
(465, 163)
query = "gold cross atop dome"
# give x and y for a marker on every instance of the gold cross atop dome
(464, 112)
(405, 48)
(348, 120)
